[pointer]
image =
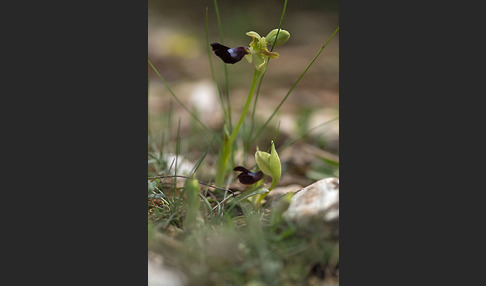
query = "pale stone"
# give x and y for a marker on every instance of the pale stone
(205, 99)
(317, 201)
(184, 167)
(158, 275)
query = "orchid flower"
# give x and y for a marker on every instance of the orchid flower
(258, 52)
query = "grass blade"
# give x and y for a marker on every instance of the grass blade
(263, 75)
(213, 75)
(198, 164)
(307, 133)
(294, 85)
(245, 196)
(226, 79)
(179, 101)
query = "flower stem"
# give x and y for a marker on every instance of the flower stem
(228, 142)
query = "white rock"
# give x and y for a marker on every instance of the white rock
(161, 276)
(204, 97)
(319, 200)
(184, 167)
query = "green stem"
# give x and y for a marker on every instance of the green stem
(256, 76)
(228, 143)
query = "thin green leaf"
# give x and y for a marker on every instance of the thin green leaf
(198, 164)
(226, 79)
(179, 101)
(213, 75)
(294, 85)
(263, 75)
(245, 196)
(307, 133)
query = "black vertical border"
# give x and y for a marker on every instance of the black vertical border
(74, 128)
(375, 151)
(411, 143)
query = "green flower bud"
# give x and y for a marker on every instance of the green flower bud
(270, 165)
(283, 37)
(192, 189)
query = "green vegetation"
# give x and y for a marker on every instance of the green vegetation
(210, 227)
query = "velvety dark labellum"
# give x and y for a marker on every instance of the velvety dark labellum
(241, 169)
(247, 177)
(229, 55)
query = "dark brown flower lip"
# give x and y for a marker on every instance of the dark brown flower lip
(246, 177)
(241, 169)
(227, 54)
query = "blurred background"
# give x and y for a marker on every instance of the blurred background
(177, 48)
